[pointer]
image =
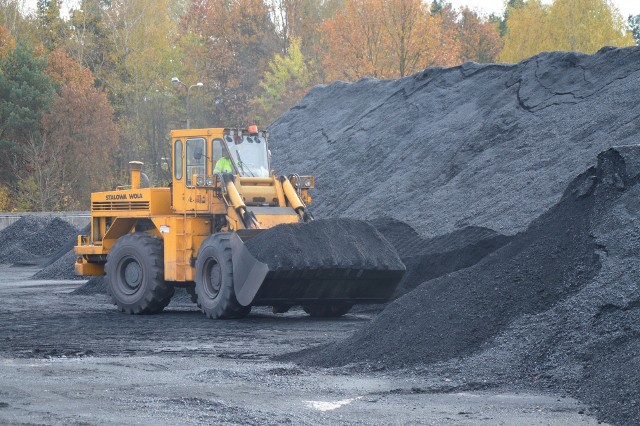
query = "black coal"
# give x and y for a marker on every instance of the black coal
(473, 145)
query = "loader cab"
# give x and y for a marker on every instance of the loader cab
(201, 156)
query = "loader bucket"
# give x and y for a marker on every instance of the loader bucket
(341, 261)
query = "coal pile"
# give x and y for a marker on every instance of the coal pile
(34, 239)
(94, 286)
(60, 265)
(61, 269)
(429, 258)
(320, 244)
(557, 307)
(475, 145)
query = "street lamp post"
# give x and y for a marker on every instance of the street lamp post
(176, 80)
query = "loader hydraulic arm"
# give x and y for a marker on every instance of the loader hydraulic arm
(293, 199)
(248, 218)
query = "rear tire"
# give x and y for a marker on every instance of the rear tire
(135, 274)
(214, 279)
(327, 311)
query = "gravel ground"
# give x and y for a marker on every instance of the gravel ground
(75, 360)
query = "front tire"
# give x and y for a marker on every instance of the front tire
(214, 279)
(135, 274)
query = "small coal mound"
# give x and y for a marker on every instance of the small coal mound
(60, 265)
(34, 239)
(61, 269)
(325, 243)
(558, 307)
(429, 258)
(94, 286)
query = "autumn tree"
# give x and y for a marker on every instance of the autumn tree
(384, 39)
(7, 42)
(526, 32)
(52, 30)
(233, 42)
(510, 5)
(80, 126)
(577, 25)
(139, 60)
(479, 38)
(285, 83)
(586, 26)
(12, 18)
(87, 35)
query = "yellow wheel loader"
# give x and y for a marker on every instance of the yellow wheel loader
(198, 233)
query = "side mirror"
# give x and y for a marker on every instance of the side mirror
(197, 153)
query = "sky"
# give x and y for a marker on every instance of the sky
(626, 7)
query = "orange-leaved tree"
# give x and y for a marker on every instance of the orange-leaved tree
(78, 132)
(385, 39)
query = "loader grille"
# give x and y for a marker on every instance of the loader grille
(101, 206)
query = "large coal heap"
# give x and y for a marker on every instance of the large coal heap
(558, 306)
(484, 145)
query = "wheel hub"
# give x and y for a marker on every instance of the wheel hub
(213, 278)
(132, 274)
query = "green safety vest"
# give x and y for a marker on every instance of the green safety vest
(223, 165)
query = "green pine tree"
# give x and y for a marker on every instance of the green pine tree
(25, 94)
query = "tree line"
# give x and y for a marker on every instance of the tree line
(84, 93)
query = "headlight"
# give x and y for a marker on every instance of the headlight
(307, 182)
(209, 181)
(200, 181)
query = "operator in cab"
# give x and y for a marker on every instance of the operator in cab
(223, 165)
(222, 162)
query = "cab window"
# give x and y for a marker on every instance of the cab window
(196, 158)
(177, 160)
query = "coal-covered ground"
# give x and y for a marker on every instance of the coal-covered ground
(558, 307)
(475, 145)
(71, 359)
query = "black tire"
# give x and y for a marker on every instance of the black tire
(214, 279)
(327, 311)
(135, 274)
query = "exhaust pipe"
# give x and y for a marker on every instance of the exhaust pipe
(136, 166)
